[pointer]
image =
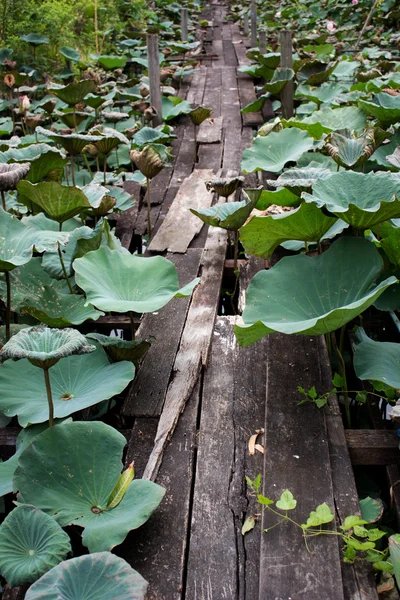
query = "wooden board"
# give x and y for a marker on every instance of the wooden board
(210, 131)
(373, 446)
(222, 563)
(296, 458)
(147, 392)
(247, 95)
(194, 346)
(180, 225)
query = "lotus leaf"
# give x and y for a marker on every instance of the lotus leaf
(394, 549)
(376, 361)
(73, 143)
(229, 215)
(77, 382)
(332, 232)
(10, 175)
(59, 202)
(99, 576)
(109, 138)
(87, 460)
(118, 349)
(73, 93)
(385, 108)
(332, 119)
(379, 156)
(394, 159)
(34, 39)
(326, 93)
(200, 114)
(42, 345)
(31, 543)
(112, 62)
(280, 78)
(16, 246)
(300, 180)
(362, 200)
(350, 151)
(281, 197)
(313, 295)
(174, 106)
(261, 235)
(390, 241)
(121, 282)
(272, 152)
(70, 53)
(48, 163)
(316, 72)
(148, 135)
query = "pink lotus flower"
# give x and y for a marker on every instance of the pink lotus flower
(354, 1)
(331, 26)
(24, 103)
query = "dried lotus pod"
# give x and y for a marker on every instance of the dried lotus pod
(224, 187)
(9, 80)
(33, 121)
(91, 150)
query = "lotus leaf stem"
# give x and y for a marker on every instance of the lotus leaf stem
(63, 268)
(49, 396)
(8, 306)
(342, 369)
(105, 170)
(132, 324)
(87, 165)
(72, 170)
(3, 200)
(195, 145)
(74, 114)
(148, 207)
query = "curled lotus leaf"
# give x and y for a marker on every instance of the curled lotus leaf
(44, 347)
(31, 543)
(362, 200)
(224, 187)
(376, 361)
(200, 114)
(100, 199)
(280, 197)
(349, 150)
(316, 72)
(72, 118)
(148, 161)
(122, 282)
(229, 215)
(394, 159)
(148, 135)
(110, 138)
(73, 93)
(280, 79)
(300, 180)
(113, 116)
(102, 576)
(118, 349)
(384, 107)
(87, 460)
(313, 295)
(10, 175)
(16, 245)
(73, 143)
(59, 202)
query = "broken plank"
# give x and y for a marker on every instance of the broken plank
(296, 458)
(210, 131)
(147, 392)
(180, 225)
(158, 549)
(195, 342)
(224, 563)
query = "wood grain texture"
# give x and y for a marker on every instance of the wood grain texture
(180, 226)
(373, 446)
(210, 131)
(194, 346)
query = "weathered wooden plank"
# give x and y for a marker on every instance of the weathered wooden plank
(210, 131)
(247, 271)
(147, 392)
(158, 549)
(16, 593)
(373, 446)
(196, 91)
(210, 156)
(180, 225)
(194, 346)
(296, 458)
(212, 93)
(247, 95)
(230, 57)
(358, 579)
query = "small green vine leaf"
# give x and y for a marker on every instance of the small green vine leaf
(357, 545)
(322, 514)
(352, 521)
(248, 525)
(286, 501)
(121, 487)
(263, 500)
(361, 532)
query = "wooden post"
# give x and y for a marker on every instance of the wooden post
(253, 24)
(154, 76)
(263, 41)
(287, 61)
(246, 25)
(184, 24)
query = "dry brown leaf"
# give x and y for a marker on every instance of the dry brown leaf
(259, 448)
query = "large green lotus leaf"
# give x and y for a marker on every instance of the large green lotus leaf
(31, 543)
(300, 180)
(112, 62)
(332, 119)
(390, 241)
(123, 200)
(377, 361)
(280, 197)
(272, 152)
(338, 227)
(174, 106)
(34, 39)
(270, 59)
(385, 108)
(346, 69)
(362, 200)
(261, 235)
(229, 215)
(148, 135)
(348, 150)
(258, 71)
(99, 576)
(313, 295)
(59, 202)
(77, 382)
(379, 156)
(35, 293)
(326, 93)
(16, 246)
(87, 460)
(315, 72)
(46, 162)
(394, 159)
(73, 143)
(73, 93)
(119, 282)
(281, 77)
(70, 53)
(109, 138)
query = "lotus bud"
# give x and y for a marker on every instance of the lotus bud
(118, 72)
(331, 26)
(9, 80)
(130, 132)
(149, 113)
(140, 106)
(91, 150)
(121, 487)
(200, 114)
(148, 161)
(24, 103)
(166, 51)
(144, 91)
(224, 187)
(49, 106)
